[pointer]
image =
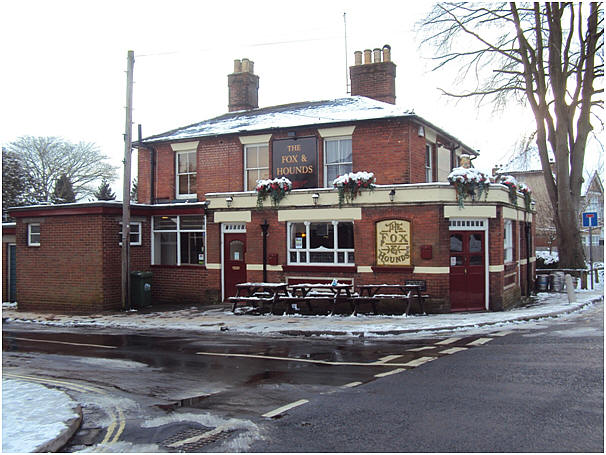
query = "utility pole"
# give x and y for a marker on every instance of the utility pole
(126, 188)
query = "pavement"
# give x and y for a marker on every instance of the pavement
(220, 318)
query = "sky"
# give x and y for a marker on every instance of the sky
(65, 66)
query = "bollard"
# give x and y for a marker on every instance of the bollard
(569, 288)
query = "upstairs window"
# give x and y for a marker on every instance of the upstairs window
(186, 174)
(337, 158)
(256, 165)
(508, 241)
(33, 234)
(428, 163)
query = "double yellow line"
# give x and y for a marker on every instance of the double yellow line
(117, 424)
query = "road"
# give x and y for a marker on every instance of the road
(537, 387)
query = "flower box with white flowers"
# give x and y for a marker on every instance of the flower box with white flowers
(469, 182)
(276, 189)
(351, 184)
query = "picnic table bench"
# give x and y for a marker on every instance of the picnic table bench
(320, 292)
(400, 292)
(258, 294)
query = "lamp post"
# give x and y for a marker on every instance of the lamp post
(264, 228)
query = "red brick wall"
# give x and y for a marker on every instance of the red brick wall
(374, 80)
(165, 173)
(144, 176)
(220, 165)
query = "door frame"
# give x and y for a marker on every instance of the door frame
(228, 228)
(476, 224)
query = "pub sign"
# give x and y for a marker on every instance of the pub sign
(393, 243)
(296, 159)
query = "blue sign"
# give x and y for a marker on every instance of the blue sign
(590, 219)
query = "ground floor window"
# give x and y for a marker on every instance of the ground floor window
(178, 240)
(135, 233)
(329, 242)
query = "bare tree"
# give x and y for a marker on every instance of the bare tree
(45, 159)
(547, 55)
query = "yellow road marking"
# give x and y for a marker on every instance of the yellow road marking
(423, 348)
(70, 385)
(419, 361)
(388, 373)
(452, 350)
(386, 359)
(449, 340)
(65, 342)
(278, 411)
(479, 341)
(352, 384)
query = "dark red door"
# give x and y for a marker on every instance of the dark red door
(467, 271)
(234, 265)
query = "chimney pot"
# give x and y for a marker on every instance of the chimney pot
(245, 65)
(243, 86)
(237, 66)
(358, 57)
(367, 56)
(387, 53)
(376, 55)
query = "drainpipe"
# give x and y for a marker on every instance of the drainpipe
(264, 228)
(527, 231)
(152, 192)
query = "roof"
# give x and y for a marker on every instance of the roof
(308, 113)
(587, 184)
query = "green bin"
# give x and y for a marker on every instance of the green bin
(140, 289)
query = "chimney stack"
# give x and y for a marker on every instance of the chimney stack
(243, 86)
(374, 79)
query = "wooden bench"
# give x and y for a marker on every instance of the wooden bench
(408, 292)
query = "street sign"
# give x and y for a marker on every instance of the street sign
(590, 219)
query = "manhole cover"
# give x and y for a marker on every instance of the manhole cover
(194, 439)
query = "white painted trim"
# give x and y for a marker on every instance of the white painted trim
(261, 139)
(496, 268)
(432, 270)
(509, 286)
(469, 211)
(213, 266)
(259, 267)
(343, 214)
(338, 131)
(486, 267)
(512, 214)
(185, 146)
(176, 176)
(364, 269)
(233, 217)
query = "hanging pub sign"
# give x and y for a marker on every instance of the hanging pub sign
(296, 159)
(393, 243)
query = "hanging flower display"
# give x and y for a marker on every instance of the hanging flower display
(511, 183)
(469, 182)
(350, 185)
(527, 192)
(276, 189)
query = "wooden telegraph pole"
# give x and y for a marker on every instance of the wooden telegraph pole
(126, 188)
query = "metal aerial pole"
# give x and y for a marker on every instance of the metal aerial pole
(126, 188)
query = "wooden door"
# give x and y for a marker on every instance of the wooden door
(467, 271)
(234, 262)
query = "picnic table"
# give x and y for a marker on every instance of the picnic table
(258, 294)
(403, 292)
(333, 293)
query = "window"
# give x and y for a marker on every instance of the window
(33, 234)
(256, 165)
(186, 174)
(337, 158)
(428, 163)
(135, 233)
(321, 243)
(178, 240)
(508, 241)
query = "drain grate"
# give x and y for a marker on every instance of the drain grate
(194, 439)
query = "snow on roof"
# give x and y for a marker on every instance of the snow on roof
(352, 108)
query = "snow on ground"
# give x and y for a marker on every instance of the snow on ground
(26, 408)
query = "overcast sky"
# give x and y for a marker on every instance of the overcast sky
(64, 69)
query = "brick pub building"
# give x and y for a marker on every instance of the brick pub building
(198, 228)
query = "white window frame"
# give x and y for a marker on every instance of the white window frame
(30, 242)
(137, 242)
(246, 168)
(508, 241)
(428, 162)
(178, 231)
(178, 174)
(306, 250)
(328, 184)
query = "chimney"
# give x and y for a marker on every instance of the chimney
(374, 79)
(243, 86)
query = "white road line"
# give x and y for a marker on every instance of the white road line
(352, 384)
(386, 359)
(502, 334)
(65, 342)
(452, 350)
(423, 348)
(449, 340)
(388, 373)
(419, 361)
(479, 341)
(278, 411)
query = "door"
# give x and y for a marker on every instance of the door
(234, 262)
(467, 271)
(12, 272)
